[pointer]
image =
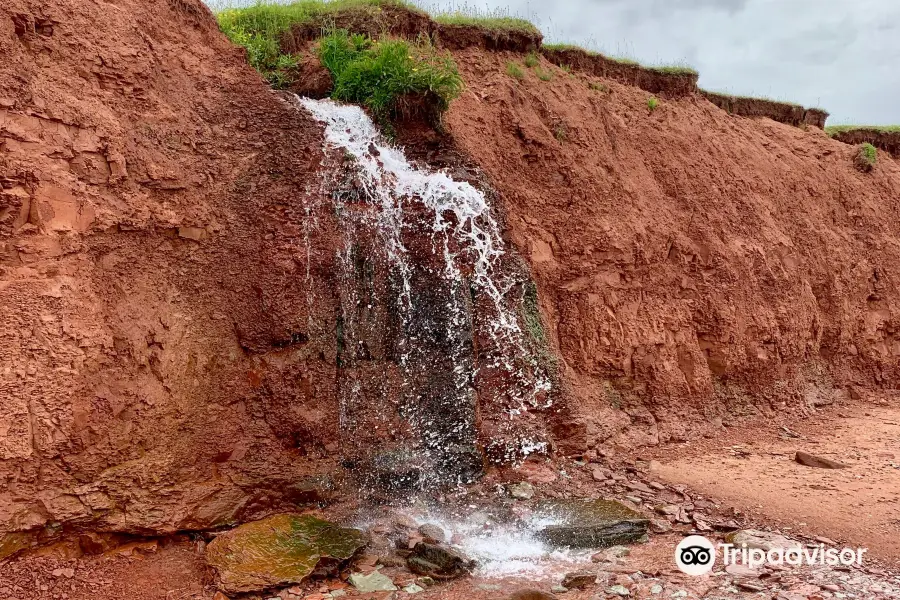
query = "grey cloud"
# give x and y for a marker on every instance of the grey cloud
(839, 54)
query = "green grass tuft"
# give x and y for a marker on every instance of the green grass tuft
(380, 73)
(543, 75)
(564, 47)
(532, 60)
(676, 69)
(866, 157)
(832, 129)
(598, 87)
(652, 103)
(259, 28)
(494, 21)
(514, 71)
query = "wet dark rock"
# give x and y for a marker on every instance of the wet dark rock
(439, 562)
(317, 489)
(591, 523)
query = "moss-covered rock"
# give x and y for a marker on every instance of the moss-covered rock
(281, 550)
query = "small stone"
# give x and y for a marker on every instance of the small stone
(413, 589)
(432, 534)
(657, 486)
(579, 580)
(373, 582)
(638, 486)
(750, 586)
(762, 540)
(600, 474)
(810, 460)
(825, 540)
(656, 589)
(521, 491)
(660, 526)
(619, 590)
(220, 596)
(338, 593)
(831, 587)
(425, 581)
(192, 233)
(679, 594)
(558, 589)
(67, 573)
(633, 499)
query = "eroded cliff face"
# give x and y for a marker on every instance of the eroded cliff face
(693, 267)
(172, 295)
(166, 360)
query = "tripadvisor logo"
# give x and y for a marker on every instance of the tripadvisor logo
(696, 555)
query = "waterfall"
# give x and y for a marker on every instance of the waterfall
(428, 309)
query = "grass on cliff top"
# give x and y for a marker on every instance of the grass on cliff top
(761, 98)
(674, 69)
(496, 22)
(379, 74)
(259, 27)
(832, 129)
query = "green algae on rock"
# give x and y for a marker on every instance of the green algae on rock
(280, 550)
(591, 523)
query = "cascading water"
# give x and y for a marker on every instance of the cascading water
(427, 311)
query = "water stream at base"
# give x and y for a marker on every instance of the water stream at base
(429, 309)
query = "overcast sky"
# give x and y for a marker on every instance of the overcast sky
(842, 55)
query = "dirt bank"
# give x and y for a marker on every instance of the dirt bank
(169, 316)
(161, 365)
(694, 267)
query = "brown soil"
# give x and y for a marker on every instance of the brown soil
(161, 367)
(783, 112)
(889, 141)
(693, 268)
(671, 85)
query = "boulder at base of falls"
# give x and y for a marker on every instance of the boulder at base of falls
(439, 562)
(281, 550)
(591, 523)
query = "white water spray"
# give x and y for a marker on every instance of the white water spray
(399, 198)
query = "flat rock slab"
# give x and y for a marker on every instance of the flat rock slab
(280, 550)
(810, 460)
(373, 582)
(761, 540)
(591, 523)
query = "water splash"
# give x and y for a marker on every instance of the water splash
(421, 254)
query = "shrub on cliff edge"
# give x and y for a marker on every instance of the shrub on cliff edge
(382, 73)
(866, 157)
